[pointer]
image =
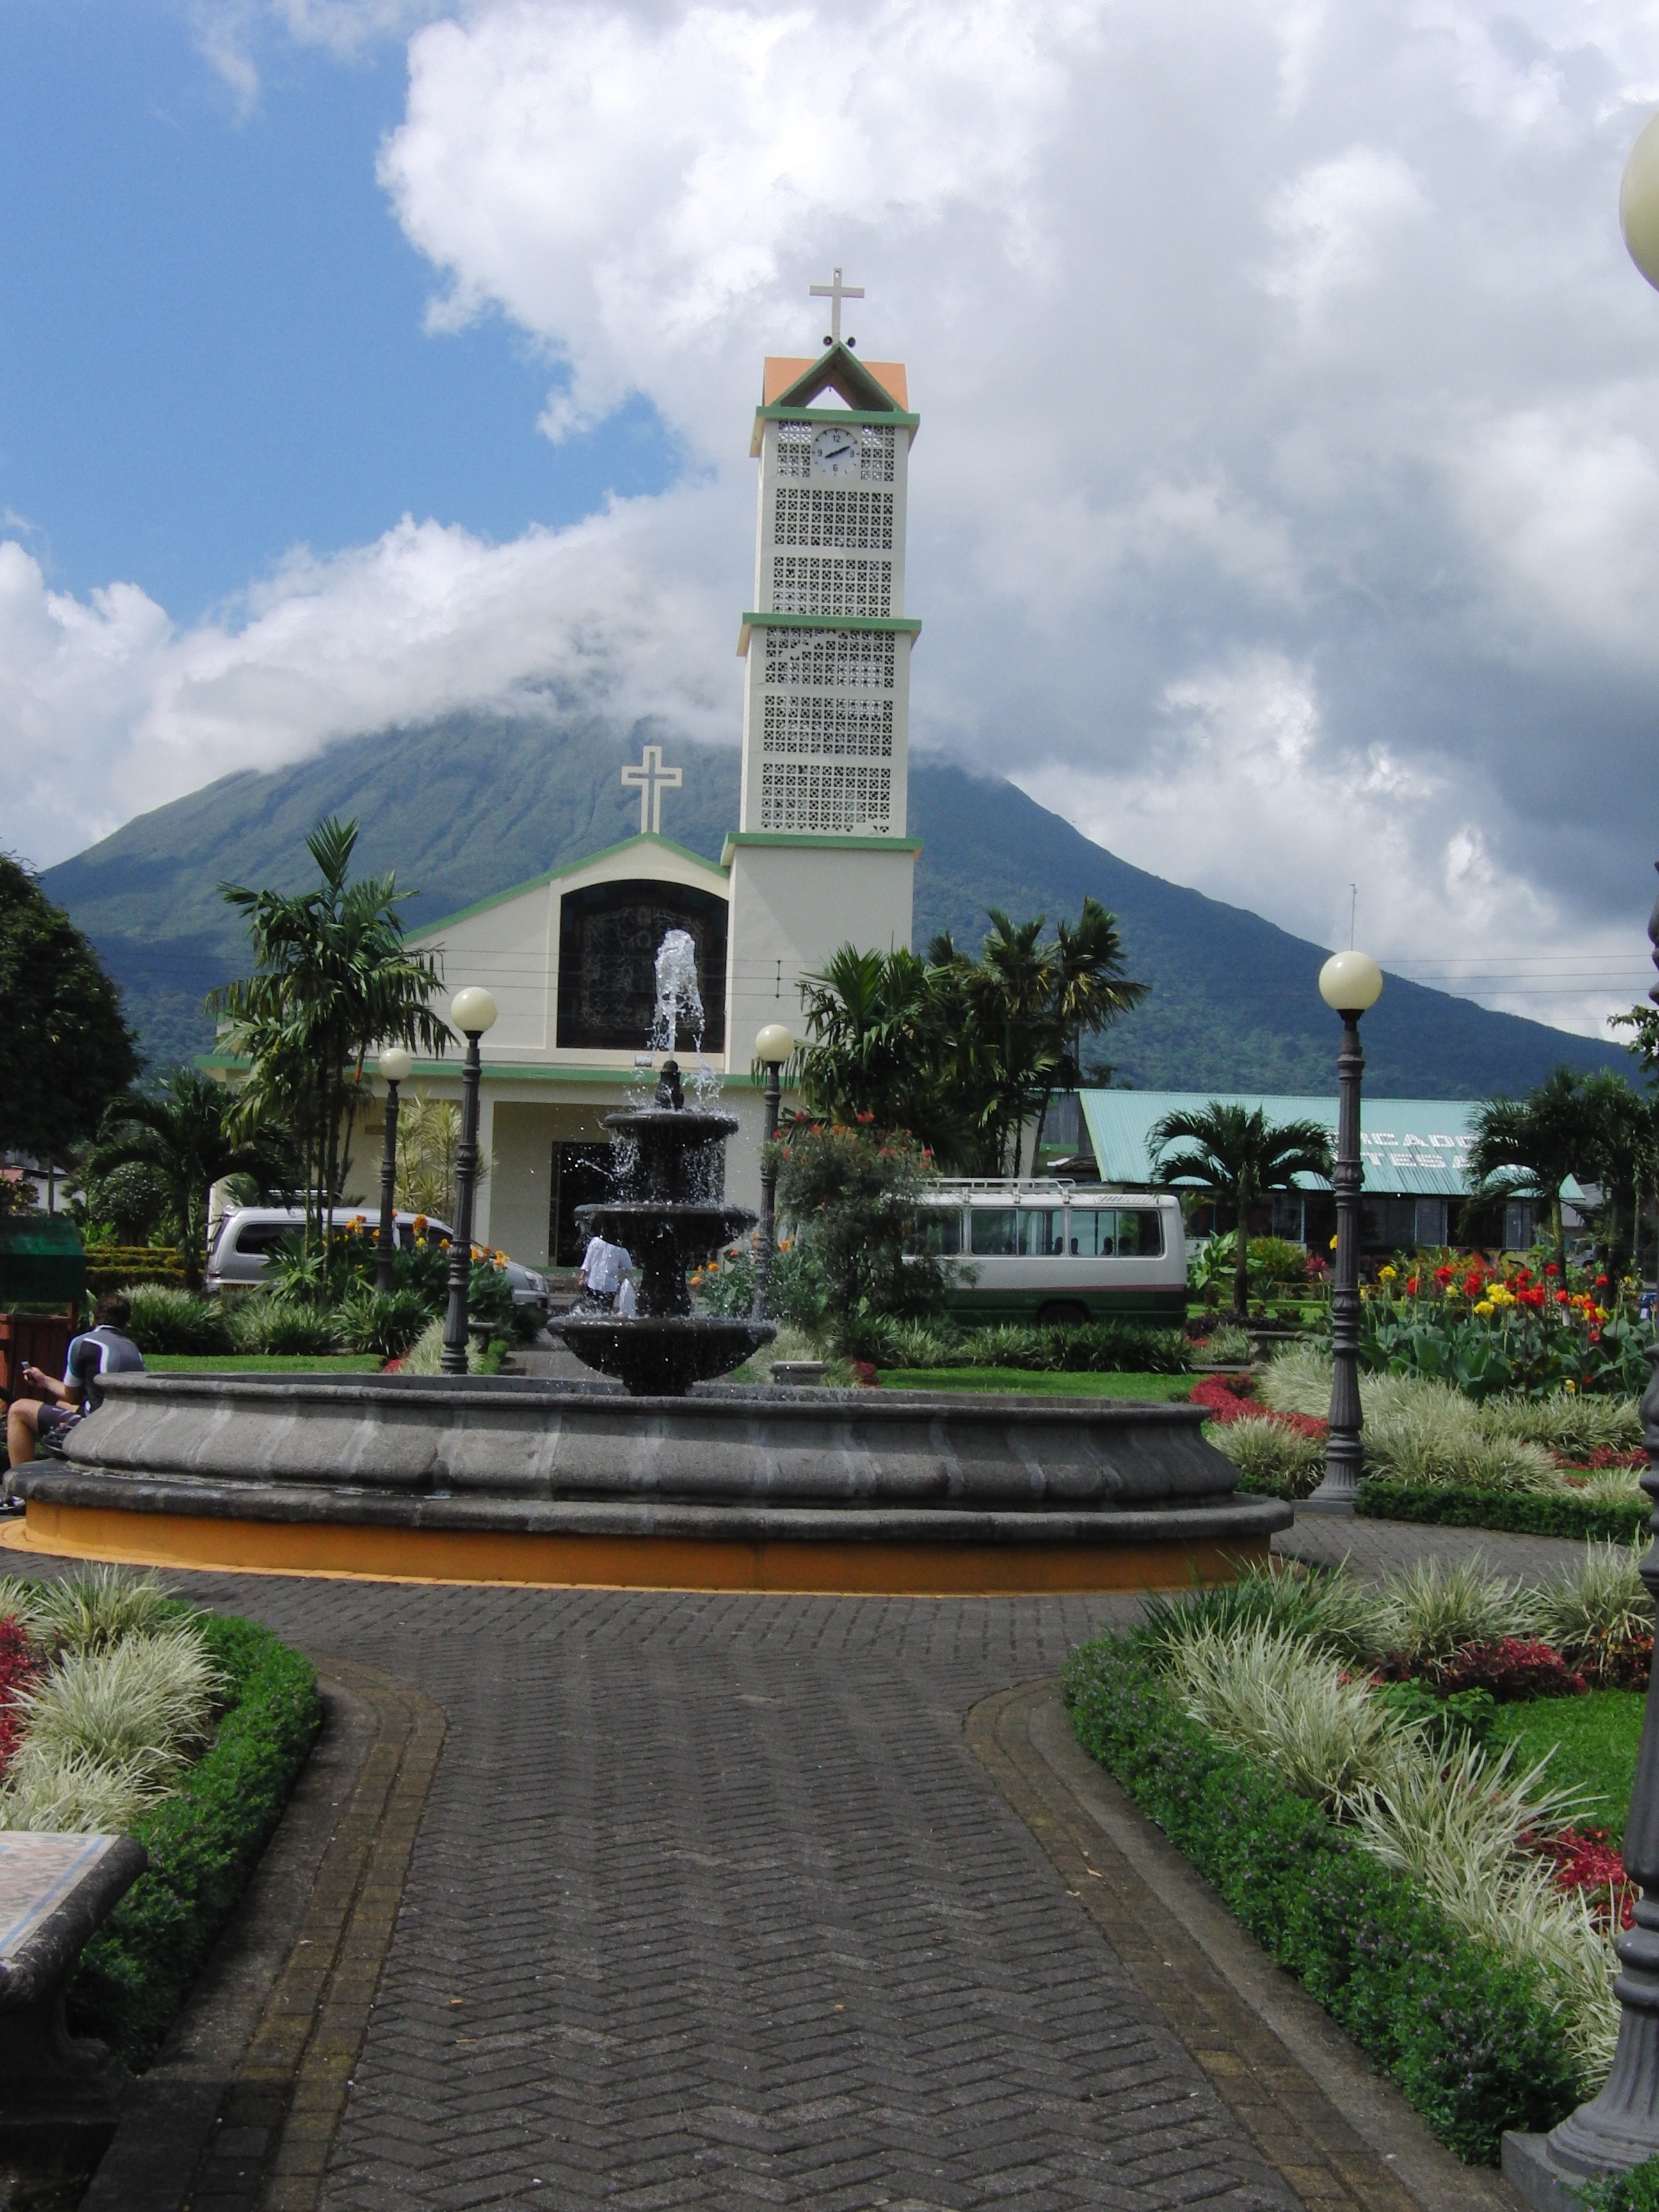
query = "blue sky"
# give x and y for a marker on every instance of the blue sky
(213, 327)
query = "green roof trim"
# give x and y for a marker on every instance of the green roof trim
(912, 623)
(736, 837)
(539, 883)
(856, 382)
(890, 416)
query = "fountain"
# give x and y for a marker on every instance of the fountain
(679, 1481)
(669, 1214)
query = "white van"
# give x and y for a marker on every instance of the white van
(248, 1234)
(1054, 1252)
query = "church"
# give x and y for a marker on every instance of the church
(819, 856)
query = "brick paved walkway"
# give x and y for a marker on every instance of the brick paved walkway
(712, 1904)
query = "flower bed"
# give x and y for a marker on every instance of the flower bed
(127, 1713)
(1330, 1757)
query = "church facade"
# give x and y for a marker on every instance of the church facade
(819, 856)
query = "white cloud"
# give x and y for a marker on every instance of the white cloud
(1290, 444)
(621, 612)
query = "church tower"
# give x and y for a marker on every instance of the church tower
(820, 858)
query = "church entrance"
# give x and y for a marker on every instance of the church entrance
(581, 1175)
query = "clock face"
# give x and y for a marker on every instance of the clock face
(836, 452)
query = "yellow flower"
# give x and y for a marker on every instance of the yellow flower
(1601, 1313)
(1388, 1274)
(1570, 1385)
(1332, 1243)
(1484, 1308)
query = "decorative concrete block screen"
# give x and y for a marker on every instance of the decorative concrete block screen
(863, 660)
(813, 584)
(860, 521)
(822, 797)
(802, 722)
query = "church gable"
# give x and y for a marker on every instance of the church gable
(876, 387)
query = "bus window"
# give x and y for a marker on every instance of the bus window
(941, 1231)
(1101, 1232)
(1139, 1234)
(996, 1231)
(1041, 1233)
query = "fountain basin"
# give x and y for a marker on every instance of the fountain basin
(684, 1348)
(728, 1488)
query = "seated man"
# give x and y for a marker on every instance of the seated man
(104, 1349)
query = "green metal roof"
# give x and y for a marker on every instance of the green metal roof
(1409, 1147)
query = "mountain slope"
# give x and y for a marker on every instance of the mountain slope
(467, 807)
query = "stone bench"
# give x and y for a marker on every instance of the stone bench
(55, 1890)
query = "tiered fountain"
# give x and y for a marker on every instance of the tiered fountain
(669, 1214)
(681, 1483)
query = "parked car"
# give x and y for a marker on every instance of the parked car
(247, 1234)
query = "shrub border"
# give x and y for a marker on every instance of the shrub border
(1528, 1513)
(135, 1972)
(1468, 2036)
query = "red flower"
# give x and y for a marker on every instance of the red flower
(865, 1117)
(1443, 1274)
(1552, 1269)
(1411, 1284)
(1600, 1282)
(1473, 1286)
(1562, 1299)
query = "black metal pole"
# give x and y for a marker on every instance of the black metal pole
(1339, 1492)
(460, 1251)
(386, 1242)
(768, 1195)
(1619, 2127)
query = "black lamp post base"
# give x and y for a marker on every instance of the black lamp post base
(1536, 2179)
(1318, 1504)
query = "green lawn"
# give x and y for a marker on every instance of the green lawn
(262, 1363)
(1165, 1389)
(1595, 1740)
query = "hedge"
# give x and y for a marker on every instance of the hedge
(136, 1970)
(1468, 2038)
(1528, 1513)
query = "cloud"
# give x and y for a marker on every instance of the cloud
(1291, 440)
(620, 613)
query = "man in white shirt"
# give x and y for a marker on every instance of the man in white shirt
(603, 1268)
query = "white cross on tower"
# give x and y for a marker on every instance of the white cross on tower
(835, 293)
(651, 778)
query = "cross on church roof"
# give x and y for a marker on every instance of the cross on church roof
(651, 778)
(835, 291)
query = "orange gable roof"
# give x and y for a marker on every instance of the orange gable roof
(782, 371)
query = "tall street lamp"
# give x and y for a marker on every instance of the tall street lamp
(393, 1065)
(1620, 2127)
(1349, 982)
(472, 1011)
(772, 1048)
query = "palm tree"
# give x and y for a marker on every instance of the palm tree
(334, 979)
(1237, 1154)
(880, 1046)
(1090, 990)
(184, 1135)
(1526, 1148)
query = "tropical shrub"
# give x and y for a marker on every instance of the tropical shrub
(1225, 1344)
(1635, 2192)
(1532, 1513)
(1484, 1329)
(1271, 1457)
(1598, 1615)
(852, 1196)
(1511, 1669)
(169, 1319)
(384, 1323)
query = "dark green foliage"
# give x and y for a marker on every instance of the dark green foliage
(1635, 2192)
(1237, 1154)
(1524, 1511)
(1233, 1004)
(384, 1323)
(136, 1970)
(68, 1051)
(186, 1138)
(1467, 2038)
(852, 1195)
(1447, 1722)
(165, 1318)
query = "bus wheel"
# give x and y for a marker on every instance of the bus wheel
(1062, 1314)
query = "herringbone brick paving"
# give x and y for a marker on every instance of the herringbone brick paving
(712, 1905)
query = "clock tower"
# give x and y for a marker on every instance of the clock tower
(820, 858)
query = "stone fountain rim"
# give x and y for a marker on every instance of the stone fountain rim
(708, 1401)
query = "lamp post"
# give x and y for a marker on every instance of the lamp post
(1349, 982)
(1618, 2128)
(472, 1011)
(772, 1048)
(393, 1064)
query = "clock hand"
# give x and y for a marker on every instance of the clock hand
(836, 452)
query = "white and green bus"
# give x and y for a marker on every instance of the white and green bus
(1051, 1252)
